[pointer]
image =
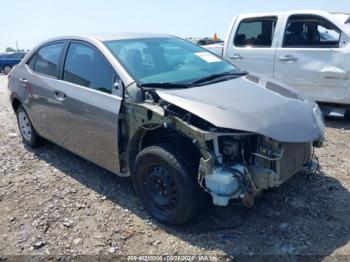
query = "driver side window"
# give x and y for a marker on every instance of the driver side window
(87, 67)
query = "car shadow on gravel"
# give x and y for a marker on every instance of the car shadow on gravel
(308, 215)
(339, 123)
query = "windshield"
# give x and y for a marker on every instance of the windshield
(342, 18)
(167, 60)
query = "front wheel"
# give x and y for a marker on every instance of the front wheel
(166, 186)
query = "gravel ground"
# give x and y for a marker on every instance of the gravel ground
(53, 202)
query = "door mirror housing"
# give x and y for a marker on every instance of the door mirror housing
(117, 85)
(118, 88)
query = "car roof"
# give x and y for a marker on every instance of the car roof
(126, 35)
(11, 53)
(110, 36)
(311, 11)
(97, 40)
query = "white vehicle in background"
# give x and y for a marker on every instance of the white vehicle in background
(307, 50)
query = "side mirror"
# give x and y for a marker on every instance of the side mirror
(117, 85)
(118, 88)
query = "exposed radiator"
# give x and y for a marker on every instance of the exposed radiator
(295, 155)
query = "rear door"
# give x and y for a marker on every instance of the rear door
(310, 57)
(88, 124)
(38, 77)
(252, 43)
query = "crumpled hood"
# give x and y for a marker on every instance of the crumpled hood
(254, 104)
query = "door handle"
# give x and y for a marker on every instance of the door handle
(23, 81)
(59, 95)
(287, 58)
(236, 56)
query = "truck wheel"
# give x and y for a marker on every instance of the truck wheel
(7, 69)
(26, 128)
(165, 184)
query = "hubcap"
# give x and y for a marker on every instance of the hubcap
(161, 188)
(7, 70)
(24, 126)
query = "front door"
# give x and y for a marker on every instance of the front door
(311, 59)
(89, 125)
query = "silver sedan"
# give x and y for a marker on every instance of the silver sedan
(182, 122)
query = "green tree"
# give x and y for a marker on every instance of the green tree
(10, 49)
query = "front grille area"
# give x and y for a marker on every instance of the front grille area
(295, 155)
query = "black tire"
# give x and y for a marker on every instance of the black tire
(34, 139)
(176, 200)
(7, 69)
(347, 114)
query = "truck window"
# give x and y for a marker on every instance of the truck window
(310, 31)
(255, 32)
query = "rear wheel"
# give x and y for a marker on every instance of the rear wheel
(165, 183)
(7, 69)
(26, 128)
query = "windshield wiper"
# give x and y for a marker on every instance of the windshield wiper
(170, 85)
(164, 85)
(229, 74)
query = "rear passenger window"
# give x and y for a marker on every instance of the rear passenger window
(310, 31)
(255, 32)
(47, 59)
(31, 62)
(85, 66)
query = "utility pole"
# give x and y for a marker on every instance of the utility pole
(17, 46)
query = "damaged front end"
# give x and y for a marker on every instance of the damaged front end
(244, 165)
(233, 164)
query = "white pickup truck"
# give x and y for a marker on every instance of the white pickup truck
(308, 50)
